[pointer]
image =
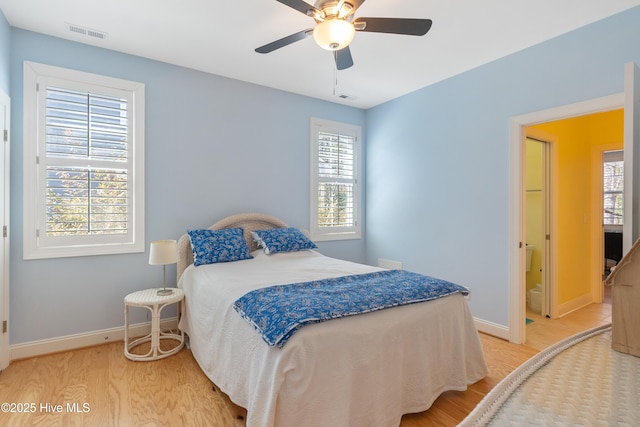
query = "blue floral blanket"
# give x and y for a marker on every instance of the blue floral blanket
(277, 312)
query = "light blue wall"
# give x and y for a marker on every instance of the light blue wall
(437, 167)
(5, 48)
(214, 147)
(438, 159)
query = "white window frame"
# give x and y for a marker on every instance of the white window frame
(335, 233)
(36, 76)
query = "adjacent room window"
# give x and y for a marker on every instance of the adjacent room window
(335, 180)
(83, 163)
(613, 173)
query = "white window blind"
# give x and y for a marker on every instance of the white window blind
(334, 177)
(613, 174)
(83, 127)
(84, 164)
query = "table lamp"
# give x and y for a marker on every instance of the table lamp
(164, 252)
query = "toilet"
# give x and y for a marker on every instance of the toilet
(534, 299)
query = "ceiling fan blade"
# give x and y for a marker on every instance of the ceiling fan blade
(411, 27)
(301, 6)
(343, 58)
(285, 41)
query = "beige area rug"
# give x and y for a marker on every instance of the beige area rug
(580, 381)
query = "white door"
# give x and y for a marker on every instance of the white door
(538, 217)
(631, 228)
(5, 104)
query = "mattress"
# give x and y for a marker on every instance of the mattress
(364, 370)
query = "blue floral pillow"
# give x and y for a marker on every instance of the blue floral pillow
(282, 240)
(211, 246)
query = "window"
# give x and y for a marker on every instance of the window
(335, 180)
(613, 173)
(83, 163)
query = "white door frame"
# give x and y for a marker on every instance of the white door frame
(597, 225)
(517, 251)
(631, 228)
(5, 121)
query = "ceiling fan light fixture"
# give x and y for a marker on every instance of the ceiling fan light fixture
(334, 34)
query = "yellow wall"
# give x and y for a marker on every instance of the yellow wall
(572, 161)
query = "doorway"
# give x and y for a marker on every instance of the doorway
(575, 218)
(629, 100)
(613, 200)
(519, 126)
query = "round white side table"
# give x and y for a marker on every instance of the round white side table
(153, 302)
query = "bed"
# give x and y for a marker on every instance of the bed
(362, 370)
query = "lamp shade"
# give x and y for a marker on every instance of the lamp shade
(163, 252)
(334, 34)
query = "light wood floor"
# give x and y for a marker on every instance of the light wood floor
(543, 332)
(106, 389)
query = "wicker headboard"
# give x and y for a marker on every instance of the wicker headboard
(248, 221)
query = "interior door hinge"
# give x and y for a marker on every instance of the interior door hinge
(4, 326)
(6, 135)
(5, 232)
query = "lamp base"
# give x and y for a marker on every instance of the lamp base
(165, 291)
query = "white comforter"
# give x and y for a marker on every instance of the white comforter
(365, 370)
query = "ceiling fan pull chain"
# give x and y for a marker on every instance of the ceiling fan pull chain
(335, 72)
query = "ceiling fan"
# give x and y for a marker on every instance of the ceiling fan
(336, 26)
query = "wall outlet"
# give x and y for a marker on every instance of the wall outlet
(389, 264)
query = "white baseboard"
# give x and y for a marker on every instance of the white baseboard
(573, 305)
(490, 328)
(87, 339)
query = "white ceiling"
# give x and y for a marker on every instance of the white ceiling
(219, 37)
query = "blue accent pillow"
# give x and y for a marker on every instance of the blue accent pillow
(211, 246)
(282, 240)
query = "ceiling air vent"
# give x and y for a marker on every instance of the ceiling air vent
(347, 97)
(78, 29)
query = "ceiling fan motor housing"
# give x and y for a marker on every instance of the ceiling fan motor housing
(331, 9)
